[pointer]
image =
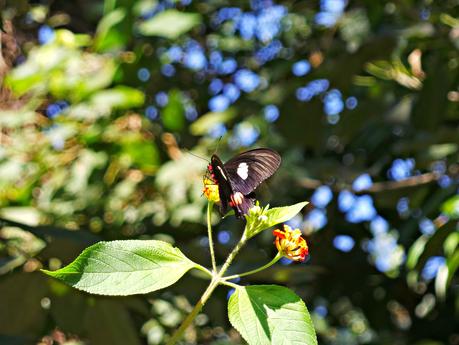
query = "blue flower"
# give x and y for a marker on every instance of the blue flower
(227, 66)
(301, 68)
(224, 237)
(322, 196)
(333, 103)
(401, 169)
(379, 225)
(351, 102)
(344, 243)
(317, 219)
(247, 24)
(304, 94)
(245, 134)
(431, 267)
(215, 86)
(162, 98)
(219, 103)
(362, 182)
(195, 59)
(217, 130)
(427, 226)
(168, 70)
(346, 200)
(143, 74)
(271, 113)
(151, 112)
(361, 210)
(232, 92)
(246, 80)
(45, 34)
(191, 113)
(175, 53)
(269, 52)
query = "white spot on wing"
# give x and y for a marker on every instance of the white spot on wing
(243, 170)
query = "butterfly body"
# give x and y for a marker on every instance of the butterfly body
(240, 176)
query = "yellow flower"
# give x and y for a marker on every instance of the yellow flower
(290, 243)
(211, 190)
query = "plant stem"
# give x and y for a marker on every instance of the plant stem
(205, 296)
(210, 204)
(269, 264)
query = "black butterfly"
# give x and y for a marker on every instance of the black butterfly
(240, 176)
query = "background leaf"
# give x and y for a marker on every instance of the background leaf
(121, 268)
(270, 314)
(169, 24)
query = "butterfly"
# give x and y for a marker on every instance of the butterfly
(238, 178)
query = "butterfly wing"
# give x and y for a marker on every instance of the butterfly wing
(248, 169)
(224, 185)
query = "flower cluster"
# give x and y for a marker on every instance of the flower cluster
(290, 243)
(210, 190)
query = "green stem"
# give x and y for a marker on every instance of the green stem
(210, 204)
(205, 296)
(269, 264)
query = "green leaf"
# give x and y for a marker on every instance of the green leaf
(207, 121)
(270, 314)
(260, 219)
(416, 251)
(120, 97)
(173, 115)
(169, 24)
(121, 268)
(106, 38)
(451, 207)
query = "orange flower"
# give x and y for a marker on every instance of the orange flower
(290, 243)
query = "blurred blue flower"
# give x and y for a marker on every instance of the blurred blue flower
(227, 13)
(271, 113)
(269, 52)
(168, 70)
(162, 98)
(318, 86)
(45, 34)
(346, 200)
(224, 237)
(195, 59)
(215, 59)
(219, 103)
(322, 196)
(230, 292)
(247, 24)
(444, 181)
(232, 92)
(304, 94)
(301, 68)
(245, 134)
(326, 19)
(295, 222)
(321, 310)
(387, 254)
(343, 243)
(401, 169)
(143, 74)
(215, 86)
(379, 225)
(316, 219)
(174, 53)
(333, 103)
(191, 113)
(333, 6)
(403, 206)
(431, 267)
(227, 66)
(351, 102)
(362, 182)
(151, 112)
(285, 261)
(269, 22)
(257, 5)
(217, 130)
(54, 109)
(246, 80)
(427, 226)
(361, 210)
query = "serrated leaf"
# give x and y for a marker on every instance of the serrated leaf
(121, 268)
(270, 314)
(169, 24)
(259, 221)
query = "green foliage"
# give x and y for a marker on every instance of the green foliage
(260, 218)
(270, 314)
(121, 268)
(169, 24)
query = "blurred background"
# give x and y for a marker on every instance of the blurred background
(101, 102)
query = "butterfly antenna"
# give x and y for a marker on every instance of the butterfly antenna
(197, 156)
(218, 144)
